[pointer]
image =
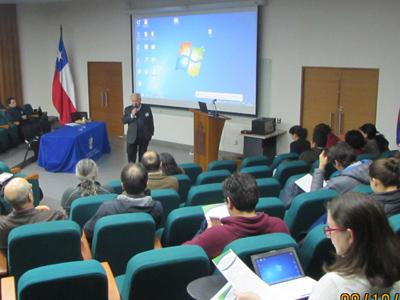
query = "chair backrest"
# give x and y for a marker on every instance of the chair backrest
(363, 188)
(163, 273)
(82, 209)
(316, 250)
(216, 176)
(258, 171)
(369, 156)
(184, 186)
(79, 280)
(289, 168)
(27, 109)
(248, 246)
(223, 164)
(272, 206)
(40, 244)
(389, 153)
(282, 157)
(192, 170)
(169, 199)
(181, 225)
(305, 209)
(78, 115)
(117, 238)
(258, 160)
(268, 187)
(114, 186)
(394, 222)
(205, 194)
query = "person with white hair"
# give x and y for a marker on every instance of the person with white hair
(18, 192)
(86, 171)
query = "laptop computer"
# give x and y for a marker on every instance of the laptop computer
(203, 107)
(282, 271)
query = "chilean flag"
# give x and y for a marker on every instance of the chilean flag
(63, 86)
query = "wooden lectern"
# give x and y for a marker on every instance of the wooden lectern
(207, 135)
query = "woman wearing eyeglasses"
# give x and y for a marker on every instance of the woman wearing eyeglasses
(367, 251)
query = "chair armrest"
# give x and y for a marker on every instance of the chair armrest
(157, 243)
(32, 176)
(16, 170)
(113, 293)
(85, 247)
(3, 264)
(8, 288)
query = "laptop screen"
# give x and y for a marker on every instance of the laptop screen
(277, 266)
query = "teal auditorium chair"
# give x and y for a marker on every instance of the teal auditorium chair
(205, 194)
(181, 225)
(268, 187)
(363, 188)
(114, 186)
(169, 200)
(258, 171)
(289, 168)
(40, 244)
(305, 209)
(272, 206)
(163, 273)
(192, 170)
(11, 130)
(369, 156)
(315, 251)
(258, 160)
(216, 176)
(117, 238)
(4, 141)
(389, 153)
(82, 209)
(184, 186)
(78, 280)
(248, 246)
(394, 222)
(278, 159)
(223, 164)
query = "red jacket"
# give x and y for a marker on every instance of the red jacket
(214, 239)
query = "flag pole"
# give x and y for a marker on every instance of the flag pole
(61, 31)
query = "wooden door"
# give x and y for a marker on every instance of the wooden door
(105, 95)
(344, 98)
(320, 97)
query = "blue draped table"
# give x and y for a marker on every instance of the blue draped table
(61, 149)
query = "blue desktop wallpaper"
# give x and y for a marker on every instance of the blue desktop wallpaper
(278, 268)
(175, 57)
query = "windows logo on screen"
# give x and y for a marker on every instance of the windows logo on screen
(190, 59)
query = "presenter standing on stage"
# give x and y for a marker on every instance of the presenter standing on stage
(139, 118)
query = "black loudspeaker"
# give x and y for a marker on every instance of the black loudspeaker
(263, 126)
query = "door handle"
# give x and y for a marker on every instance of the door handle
(106, 96)
(102, 98)
(340, 119)
(331, 116)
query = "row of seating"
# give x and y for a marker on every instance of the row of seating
(171, 268)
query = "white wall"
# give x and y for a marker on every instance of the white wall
(333, 33)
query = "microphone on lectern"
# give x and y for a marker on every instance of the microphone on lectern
(215, 107)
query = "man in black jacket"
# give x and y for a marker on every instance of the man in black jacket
(139, 118)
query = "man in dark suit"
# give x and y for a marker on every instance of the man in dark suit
(139, 118)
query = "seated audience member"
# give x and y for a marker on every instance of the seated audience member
(343, 158)
(356, 140)
(169, 165)
(133, 199)
(367, 260)
(318, 143)
(376, 143)
(385, 182)
(15, 112)
(86, 170)
(331, 139)
(18, 192)
(300, 143)
(241, 196)
(157, 179)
